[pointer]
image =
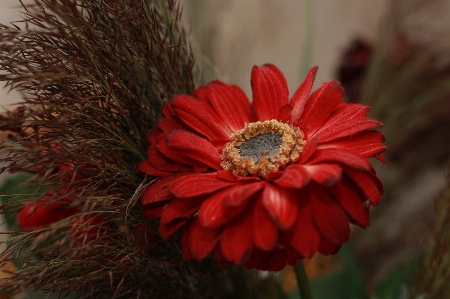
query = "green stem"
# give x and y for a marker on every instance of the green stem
(302, 281)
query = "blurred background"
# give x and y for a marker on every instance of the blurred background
(294, 35)
(391, 55)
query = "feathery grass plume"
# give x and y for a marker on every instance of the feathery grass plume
(93, 76)
(408, 84)
(435, 263)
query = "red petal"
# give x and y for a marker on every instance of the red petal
(180, 208)
(281, 205)
(159, 190)
(256, 260)
(231, 106)
(369, 184)
(300, 97)
(171, 123)
(284, 115)
(154, 210)
(220, 123)
(381, 157)
(319, 106)
(39, 215)
(351, 202)
(304, 237)
(152, 136)
(89, 228)
(265, 231)
(200, 94)
(167, 229)
(270, 91)
(272, 176)
(228, 176)
(326, 174)
(329, 217)
(339, 156)
(274, 260)
(239, 194)
(308, 150)
(173, 155)
(346, 121)
(295, 176)
(292, 255)
(186, 248)
(202, 240)
(213, 213)
(193, 147)
(167, 110)
(367, 144)
(220, 259)
(162, 163)
(240, 94)
(194, 113)
(148, 168)
(198, 184)
(326, 247)
(236, 240)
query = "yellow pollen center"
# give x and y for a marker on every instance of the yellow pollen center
(261, 148)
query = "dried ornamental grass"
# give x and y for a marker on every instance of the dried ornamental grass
(93, 75)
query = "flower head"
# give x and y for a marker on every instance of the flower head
(265, 183)
(40, 214)
(57, 204)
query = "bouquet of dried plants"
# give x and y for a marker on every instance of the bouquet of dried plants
(93, 75)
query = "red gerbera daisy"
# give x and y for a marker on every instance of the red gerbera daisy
(265, 183)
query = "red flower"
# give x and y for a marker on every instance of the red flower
(56, 205)
(42, 214)
(89, 228)
(265, 183)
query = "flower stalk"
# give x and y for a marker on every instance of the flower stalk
(302, 281)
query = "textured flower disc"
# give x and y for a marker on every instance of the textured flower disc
(266, 183)
(262, 148)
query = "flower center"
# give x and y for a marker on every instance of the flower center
(261, 148)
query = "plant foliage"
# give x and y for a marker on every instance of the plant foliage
(93, 75)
